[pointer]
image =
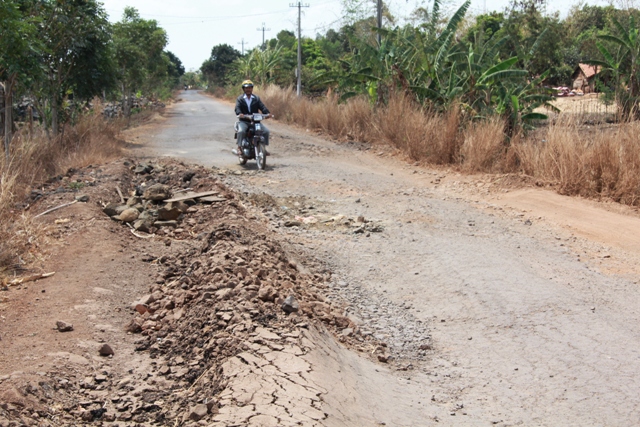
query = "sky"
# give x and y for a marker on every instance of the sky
(195, 26)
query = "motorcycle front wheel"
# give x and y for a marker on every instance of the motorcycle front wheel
(261, 156)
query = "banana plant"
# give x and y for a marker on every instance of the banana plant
(624, 64)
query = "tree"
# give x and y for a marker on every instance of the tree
(18, 57)
(216, 69)
(624, 64)
(141, 62)
(76, 56)
(175, 69)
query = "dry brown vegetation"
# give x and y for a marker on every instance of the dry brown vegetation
(600, 161)
(34, 159)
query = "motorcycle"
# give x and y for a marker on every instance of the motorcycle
(254, 145)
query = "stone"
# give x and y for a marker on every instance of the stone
(82, 198)
(198, 412)
(143, 224)
(86, 416)
(129, 215)
(157, 192)
(106, 350)
(64, 326)
(292, 223)
(133, 201)
(166, 224)
(383, 358)
(290, 305)
(142, 169)
(347, 332)
(114, 209)
(267, 293)
(169, 214)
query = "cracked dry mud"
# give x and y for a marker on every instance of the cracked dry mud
(492, 303)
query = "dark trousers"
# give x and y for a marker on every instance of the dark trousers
(242, 132)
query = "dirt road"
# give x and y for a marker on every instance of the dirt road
(497, 309)
(425, 297)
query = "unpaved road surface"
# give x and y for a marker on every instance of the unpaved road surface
(425, 297)
(497, 309)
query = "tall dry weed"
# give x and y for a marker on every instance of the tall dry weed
(593, 163)
(599, 163)
(484, 148)
(34, 158)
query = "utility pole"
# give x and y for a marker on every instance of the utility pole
(299, 71)
(242, 43)
(379, 21)
(263, 29)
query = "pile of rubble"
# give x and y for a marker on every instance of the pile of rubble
(228, 297)
(114, 109)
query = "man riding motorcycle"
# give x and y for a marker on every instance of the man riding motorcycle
(248, 104)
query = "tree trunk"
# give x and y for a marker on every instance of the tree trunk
(54, 115)
(2, 110)
(8, 116)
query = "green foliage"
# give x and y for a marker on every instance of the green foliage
(623, 64)
(19, 49)
(139, 51)
(261, 66)
(193, 79)
(175, 69)
(76, 55)
(216, 70)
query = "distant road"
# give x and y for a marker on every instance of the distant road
(201, 130)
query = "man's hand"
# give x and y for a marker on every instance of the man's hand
(241, 116)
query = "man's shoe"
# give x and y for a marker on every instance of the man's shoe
(235, 151)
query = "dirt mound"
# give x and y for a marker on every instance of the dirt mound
(228, 310)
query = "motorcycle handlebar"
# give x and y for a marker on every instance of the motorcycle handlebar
(250, 116)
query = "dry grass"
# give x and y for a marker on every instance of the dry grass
(601, 163)
(34, 158)
(591, 162)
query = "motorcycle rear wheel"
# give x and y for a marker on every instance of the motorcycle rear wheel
(261, 156)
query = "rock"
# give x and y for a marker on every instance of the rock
(198, 412)
(166, 224)
(188, 175)
(144, 224)
(170, 214)
(134, 201)
(134, 326)
(106, 350)
(383, 358)
(290, 305)
(142, 308)
(347, 332)
(267, 293)
(64, 326)
(157, 192)
(114, 209)
(82, 198)
(129, 215)
(292, 223)
(142, 169)
(86, 416)
(145, 300)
